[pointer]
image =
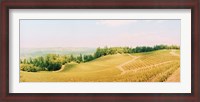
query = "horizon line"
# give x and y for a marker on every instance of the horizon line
(102, 47)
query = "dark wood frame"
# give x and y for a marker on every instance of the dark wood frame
(98, 4)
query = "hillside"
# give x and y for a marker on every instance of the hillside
(155, 66)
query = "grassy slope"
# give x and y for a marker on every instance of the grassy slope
(101, 69)
(175, 77)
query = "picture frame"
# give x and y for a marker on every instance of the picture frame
(6, 5)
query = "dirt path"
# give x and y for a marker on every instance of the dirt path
(120, 67)
(174, 53)
(175, 77)
(62, 67)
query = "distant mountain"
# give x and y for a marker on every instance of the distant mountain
(34, 52)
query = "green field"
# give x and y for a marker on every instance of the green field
(155, 66)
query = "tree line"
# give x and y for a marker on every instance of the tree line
(52, 62)
(114, 50)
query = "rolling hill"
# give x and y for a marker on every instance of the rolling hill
(155, 66)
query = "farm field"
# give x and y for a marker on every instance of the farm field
(155, 66)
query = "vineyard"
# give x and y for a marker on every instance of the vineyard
(154, 66)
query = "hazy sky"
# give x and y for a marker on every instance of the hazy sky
(98, 33)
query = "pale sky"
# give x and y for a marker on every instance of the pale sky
(98, 33)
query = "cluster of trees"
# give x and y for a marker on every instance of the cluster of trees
(157, 47)
(29, 68)
(52, 62)
(114, 50)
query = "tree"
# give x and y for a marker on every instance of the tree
(24, 61)
(21, 61)
(72, 58)
(79, 58)
(97, 54)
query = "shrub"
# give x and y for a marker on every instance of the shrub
(29, 68)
